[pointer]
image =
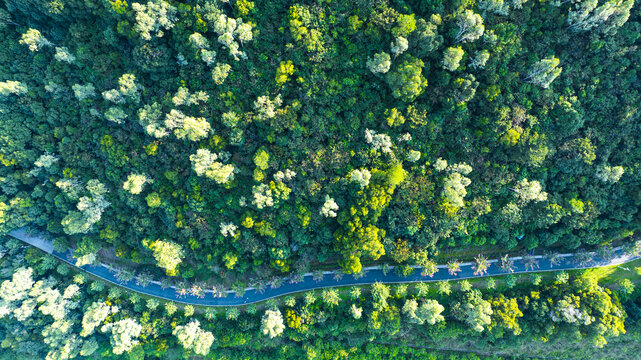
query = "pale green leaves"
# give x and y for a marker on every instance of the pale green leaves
(272, 323)
(205, 163)
(192, 337)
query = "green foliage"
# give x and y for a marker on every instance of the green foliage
(510, 281)
(626, 287)
(167, 254)
(285, 69)
(212, 100)
(34, 40)
(134, 183)
(380, 63)
(119, 6)
(153, 200)
(473, 310)
(261, 159)
(470, 26)
(452, 57)
(40, 302)
(358, 235)
(544, 72)
(12, 87)
(561, 277)
(406, 79)
(405, 24)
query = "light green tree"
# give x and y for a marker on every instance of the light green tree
(152, 304)
(150, 118)
(473, 310)
(90, 207)
(330, 297)
(626, 287)
(192, 337)
(194, 129)
(10, 87)
(406, 80)
(94, 315)
(528, 191)
(115, 114)
(607, 17)
(405, 25)
(261, 159)
(154, 17)
(170, 308)
(272, 323)
(208, 56)
(361, 177)
(499, 7)
(452, 57)
(329, 208)
(113, 96)
(17, 288)
(427, 312)
(480, 59)
(355, 293)
(63, 54)
(380, 63)
(205, 164)
(124, 334)
(454, 188)
(220, 72)
(381, 142)
(168, 255)
(380, 294)
(609, 174)
(422, 289)
(443, 287)
(84, 91)
(198, 41)
(89, 347)
(543, 72)
(399, 46)
(34, 40)
(470, 26)
(356, 311)
(265, 108)
(243, 32)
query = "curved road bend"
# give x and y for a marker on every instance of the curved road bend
(372, 275)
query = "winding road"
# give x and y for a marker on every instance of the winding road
(372, 275)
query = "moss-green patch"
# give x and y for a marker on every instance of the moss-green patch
(613, 274)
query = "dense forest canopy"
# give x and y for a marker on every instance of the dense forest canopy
(262, 137)
(225, 143)
(50, 311)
